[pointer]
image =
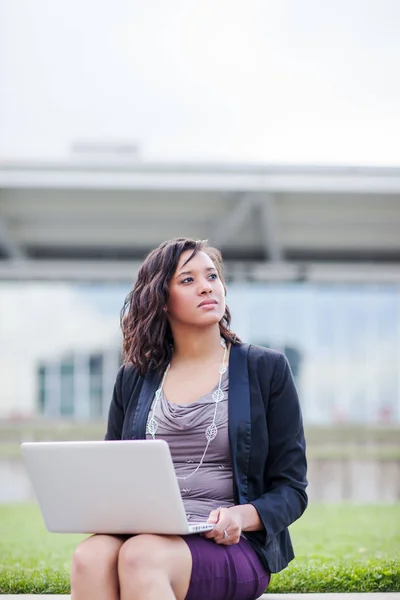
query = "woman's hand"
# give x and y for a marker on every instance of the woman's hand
(228, 525)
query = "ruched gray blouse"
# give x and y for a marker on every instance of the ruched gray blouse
(183, 426)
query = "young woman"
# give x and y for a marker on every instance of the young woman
(231, 416)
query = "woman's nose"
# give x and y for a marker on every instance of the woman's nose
(206, 287)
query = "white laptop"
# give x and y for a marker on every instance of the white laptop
(123, 487)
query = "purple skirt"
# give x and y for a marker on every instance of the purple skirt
(225, 572)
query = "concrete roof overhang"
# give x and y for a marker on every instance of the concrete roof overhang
(97, 221)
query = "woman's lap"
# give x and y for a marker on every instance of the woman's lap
(224, 572)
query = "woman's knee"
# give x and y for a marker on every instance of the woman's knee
(140, 552)
(96, 554)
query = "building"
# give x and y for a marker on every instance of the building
(312, 261)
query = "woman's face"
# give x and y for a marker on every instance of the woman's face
(196, 293)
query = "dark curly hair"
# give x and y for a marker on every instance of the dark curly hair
(147, 335)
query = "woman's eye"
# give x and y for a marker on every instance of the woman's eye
(213, 276)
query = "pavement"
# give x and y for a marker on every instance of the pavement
(375, 596)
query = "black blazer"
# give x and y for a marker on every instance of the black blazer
(265, 434)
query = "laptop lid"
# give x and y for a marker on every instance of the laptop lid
(115, 487)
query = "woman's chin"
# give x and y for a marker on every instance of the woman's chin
(209, 319)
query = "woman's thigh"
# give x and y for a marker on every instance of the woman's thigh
(225, 572)
(94, 568)
(166, 554)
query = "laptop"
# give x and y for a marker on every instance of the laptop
(115, 487)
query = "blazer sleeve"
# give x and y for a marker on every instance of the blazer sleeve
(285, 498)
(116, 411)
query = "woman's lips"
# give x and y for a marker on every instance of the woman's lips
(207, 304)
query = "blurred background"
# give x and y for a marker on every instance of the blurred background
(270, 128)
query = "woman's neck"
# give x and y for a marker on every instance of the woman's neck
(197, 345)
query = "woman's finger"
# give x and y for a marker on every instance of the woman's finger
(214, 516)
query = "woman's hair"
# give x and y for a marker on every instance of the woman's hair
(147, 335)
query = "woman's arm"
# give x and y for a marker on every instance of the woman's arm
(285, 498)
(248, 516)
(285, 480)
(116, 411)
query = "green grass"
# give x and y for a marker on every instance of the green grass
(344, 548)
(339, 548)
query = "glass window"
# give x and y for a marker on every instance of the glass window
(96, 385)
(67, 387)
(342, 342)
(41, 376)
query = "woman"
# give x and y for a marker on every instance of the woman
(243, 469)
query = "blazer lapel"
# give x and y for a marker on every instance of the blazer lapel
(150, 384)
(239, 418)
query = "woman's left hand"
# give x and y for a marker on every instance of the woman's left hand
(228, 526)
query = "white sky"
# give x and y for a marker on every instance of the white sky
(243, 80)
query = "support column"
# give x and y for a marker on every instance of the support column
(8, 244)
(234, 220)
(270, 227)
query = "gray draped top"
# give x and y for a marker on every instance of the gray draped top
(183, 426)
